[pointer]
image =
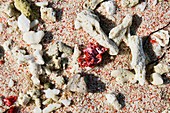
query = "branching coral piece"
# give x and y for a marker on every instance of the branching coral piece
(89, 22)
(118, 33)
(138, 58)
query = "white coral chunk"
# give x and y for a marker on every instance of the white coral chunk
(157, 49)
(123, 76)
(1, 27)
(48, 14)
(11, 83)
(53, 50)
(161, 68)
(110, 7)
(33, 37)
(129, 3)
(51, 107)
(89, 22)
(36, 46)
(91, 4)
(23, 23)
(41, 4)
(7, 44)
(35, 79)
(38, 55)
(65, 102)
(59, 81)
(138, 58)
(156, 79)
(117, 34)
(51, 93)
(74, 63)
(37, 110)
(33, 68)
(23, 99)
(162, 37)
(111, 99)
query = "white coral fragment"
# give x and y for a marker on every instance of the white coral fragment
(156, 79)
(41, 4)
(51, 93)
(91, 4)
(38, 56)
(23, 23)
(89, 22)
(53, 50)
(37, 110)
(142, 6)
(117, 34)
(162, 37)
(59, 80)
(36, 46)
(77, 84)
(65, 102)
(123, 76)
(112, 100)
(161, 68)
(1, 27)
(129, 3)
(157, 49)
(74, 63)
(7, 44)
(138, 58)
(35, 79)
(110, 7)
(48, 14)
(23, 99)
(51, 107)
(11, 83)
(33, 37)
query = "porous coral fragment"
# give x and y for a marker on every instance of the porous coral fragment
(118, 33)
(89, 22)
(138, 58)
